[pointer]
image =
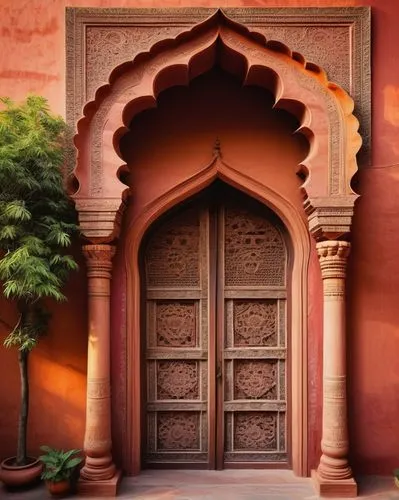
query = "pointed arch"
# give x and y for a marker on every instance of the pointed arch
(300, 248)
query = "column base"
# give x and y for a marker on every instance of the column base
(102, 488)
(340, 488)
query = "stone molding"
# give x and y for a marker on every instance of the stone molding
(98, 216)
(330, 217)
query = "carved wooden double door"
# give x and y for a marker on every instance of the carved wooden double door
(215, 337)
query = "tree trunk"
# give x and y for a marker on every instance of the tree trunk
(24, 409)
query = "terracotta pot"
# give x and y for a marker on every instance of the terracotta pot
(59, 488)
(20, 475)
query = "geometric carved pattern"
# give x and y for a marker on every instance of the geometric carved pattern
(178, 431)
(177, 380)
(175, 324)
(172, 257)
(255, 431)
(255, 379)
(254, 250)
(255, 323)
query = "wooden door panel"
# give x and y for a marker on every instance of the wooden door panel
(253, 276)
(177, 342)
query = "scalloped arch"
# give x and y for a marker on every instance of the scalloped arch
(324, 109)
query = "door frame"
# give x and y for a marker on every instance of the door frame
(211, 215)
(299, 248)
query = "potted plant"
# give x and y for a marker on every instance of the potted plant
(396, 477)
(36, 224)
(59, 466)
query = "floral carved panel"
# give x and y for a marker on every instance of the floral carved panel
(176, 341)
(256, 431)
(255, 323)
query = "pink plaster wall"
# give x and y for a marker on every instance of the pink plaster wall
(57, 375)
(32, 59)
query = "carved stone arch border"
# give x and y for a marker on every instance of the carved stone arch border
(325, 112)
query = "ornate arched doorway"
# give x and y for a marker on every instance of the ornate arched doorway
(324, 113)
(215, 335)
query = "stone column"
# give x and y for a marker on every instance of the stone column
(99, 476)
(333, 477)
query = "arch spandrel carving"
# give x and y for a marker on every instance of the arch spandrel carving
(327, 121)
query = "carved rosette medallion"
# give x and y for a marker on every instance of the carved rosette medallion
(176, 325)
(255, 431)
(178, 431)
(255, 379)
(255, 323)
(177, 380)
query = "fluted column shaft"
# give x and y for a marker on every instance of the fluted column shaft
(334, 466)
(97, 443)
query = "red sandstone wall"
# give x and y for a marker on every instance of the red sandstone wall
(32, 60)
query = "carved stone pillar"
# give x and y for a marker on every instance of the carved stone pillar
(333, 477)
(99, 476)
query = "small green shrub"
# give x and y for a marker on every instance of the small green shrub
(59, 465)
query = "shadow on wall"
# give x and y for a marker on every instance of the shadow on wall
(57, 375)
(373, 324)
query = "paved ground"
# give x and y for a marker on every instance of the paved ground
(223, 485)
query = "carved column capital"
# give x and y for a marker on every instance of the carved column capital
(99, 256)
(333, 256)
(99, 260)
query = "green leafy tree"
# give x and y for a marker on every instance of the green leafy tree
(37, 221)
